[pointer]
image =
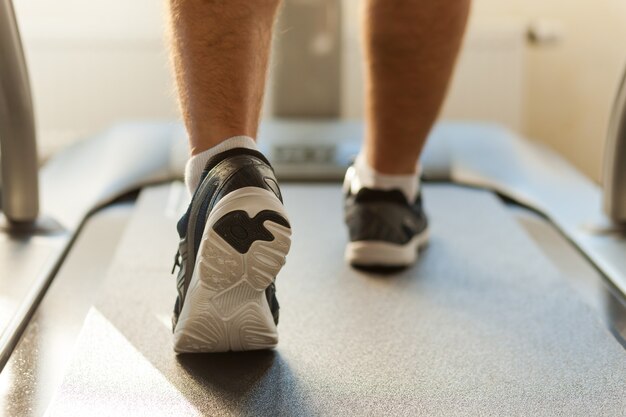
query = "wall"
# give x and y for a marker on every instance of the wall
(572, 82)
(94, 62)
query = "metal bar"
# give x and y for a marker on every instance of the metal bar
(614, 181)
(18, 145)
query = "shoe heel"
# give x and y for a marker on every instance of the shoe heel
(243, 248)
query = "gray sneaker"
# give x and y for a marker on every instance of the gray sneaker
(234, 238)
(385, 229)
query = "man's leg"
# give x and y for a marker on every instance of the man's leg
(220, 50)
(235, 234)
(410, 48)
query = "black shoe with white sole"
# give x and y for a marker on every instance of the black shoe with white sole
(234, 239)
(385, 230)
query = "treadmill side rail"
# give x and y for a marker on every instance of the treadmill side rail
(614, 181)
(117, 162)
(18, 145)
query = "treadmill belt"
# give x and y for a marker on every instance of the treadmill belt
(483, 324)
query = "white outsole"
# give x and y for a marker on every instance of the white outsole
(379, 253)
(226, 308)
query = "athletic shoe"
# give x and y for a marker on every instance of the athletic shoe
(234, 240)
(385, 230)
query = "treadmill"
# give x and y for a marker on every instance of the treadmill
(516, 307)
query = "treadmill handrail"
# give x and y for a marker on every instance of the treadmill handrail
(18, 144)
(614, 179)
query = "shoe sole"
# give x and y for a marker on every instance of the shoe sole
(243, 247)
(372, 253)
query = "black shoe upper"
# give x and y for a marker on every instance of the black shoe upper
(383, 215)
(223, 174)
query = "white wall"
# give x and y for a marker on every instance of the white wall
(94, 62)
(570, 84)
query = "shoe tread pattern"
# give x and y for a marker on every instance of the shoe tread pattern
(228, 302)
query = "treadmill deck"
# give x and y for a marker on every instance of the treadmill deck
(483, 324)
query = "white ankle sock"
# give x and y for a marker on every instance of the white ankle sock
(361, 174)
(197, 163)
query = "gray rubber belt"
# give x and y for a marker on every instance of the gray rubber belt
(482, 325)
